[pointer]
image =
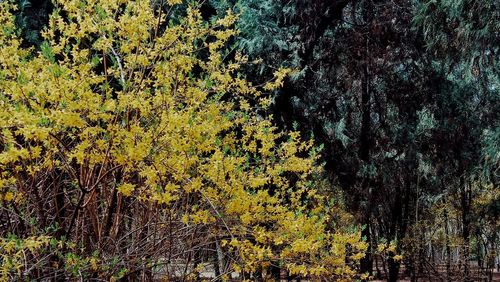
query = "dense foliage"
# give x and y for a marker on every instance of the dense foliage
(404, 96)
(131, 148)
(187, 128)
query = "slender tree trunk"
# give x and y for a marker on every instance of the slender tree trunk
(397, 213)
(393, 270)
(364, 154)
(479, 250)
(464, 201)
(448, 249)
(366, 264)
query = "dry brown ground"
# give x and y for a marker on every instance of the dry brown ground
(442, 277)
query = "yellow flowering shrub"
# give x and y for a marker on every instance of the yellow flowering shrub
(13, 254)
(130, 132)
(389, 250)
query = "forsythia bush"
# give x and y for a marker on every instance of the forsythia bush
(131, 147)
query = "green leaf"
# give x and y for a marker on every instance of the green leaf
(47, 52)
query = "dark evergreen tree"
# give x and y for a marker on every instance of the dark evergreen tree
(393, 92)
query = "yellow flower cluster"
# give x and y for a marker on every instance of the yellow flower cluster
(111, 93)
(389, 249)
(13, 253)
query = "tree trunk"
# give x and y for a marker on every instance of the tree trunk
(393, 270)
(448, 249)
(464, 201)
(366, 264)
(364, 155)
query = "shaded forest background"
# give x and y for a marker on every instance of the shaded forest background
(404, 97)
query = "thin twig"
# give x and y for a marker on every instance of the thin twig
(119, 62)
